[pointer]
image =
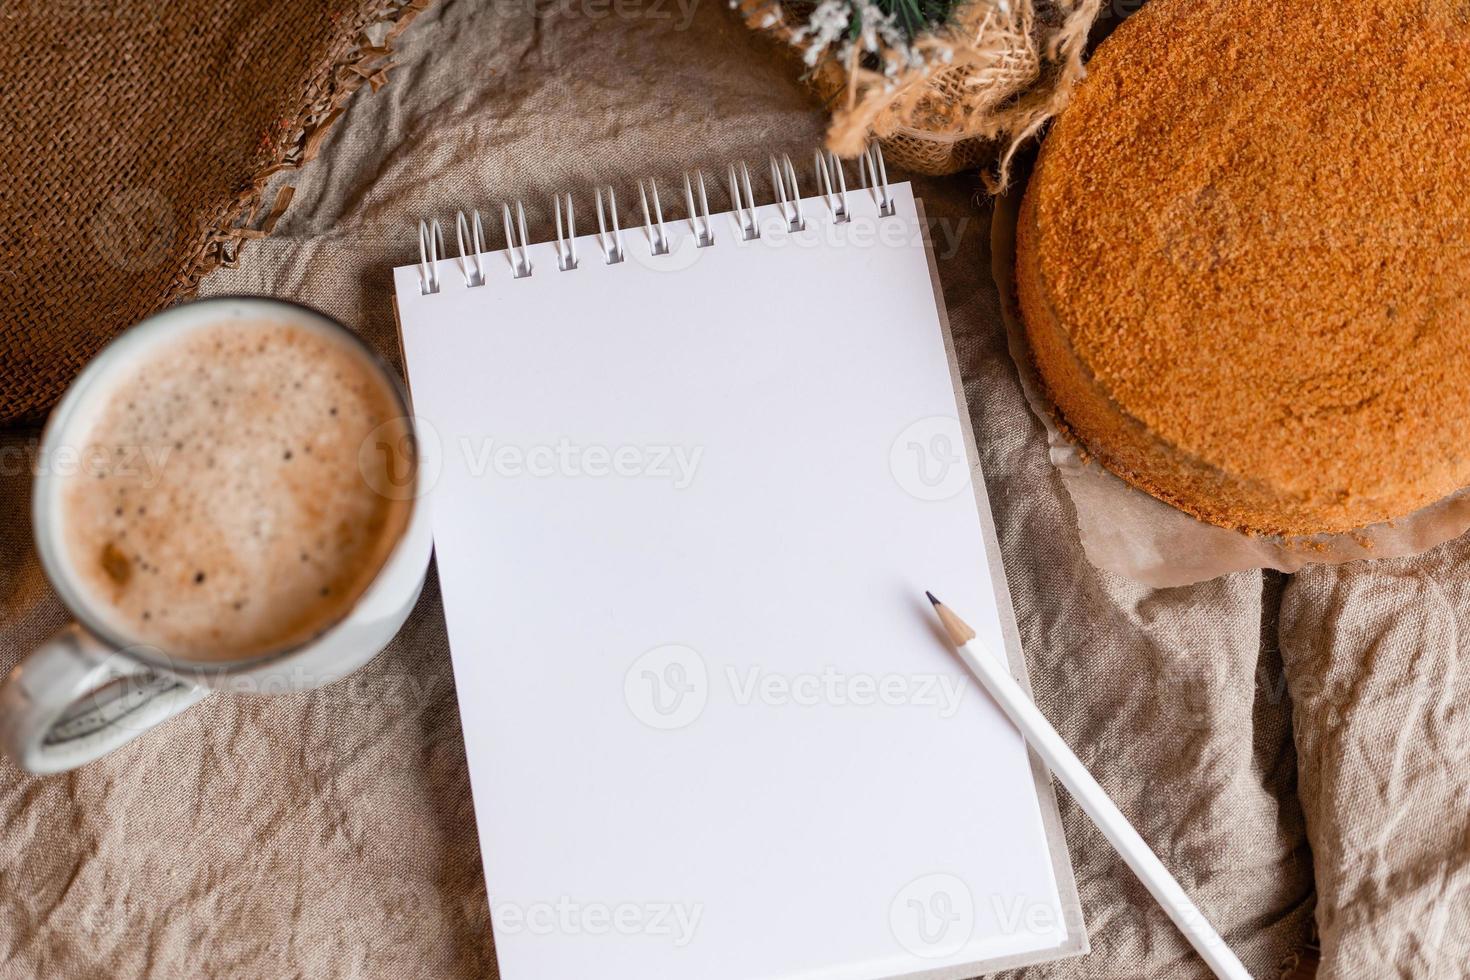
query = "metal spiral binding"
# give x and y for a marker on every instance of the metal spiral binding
(744, 208)
(612, 245)
(522, 267)
(872, 160)
(461, 229)
(658, 240)
(566, 244)
(703, 238)
(783, 177)
(836, 200)
(831, 186)
(431, 245)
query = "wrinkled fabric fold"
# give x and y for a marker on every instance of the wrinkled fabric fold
(1378, 665)
(331, 833)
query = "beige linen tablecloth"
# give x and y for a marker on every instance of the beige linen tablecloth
(331, 834)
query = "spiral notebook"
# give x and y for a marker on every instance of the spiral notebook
(690, 475)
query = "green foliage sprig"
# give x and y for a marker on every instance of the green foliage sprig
(913, 17)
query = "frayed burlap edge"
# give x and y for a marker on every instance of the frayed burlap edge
(991, 79)
(364, 55)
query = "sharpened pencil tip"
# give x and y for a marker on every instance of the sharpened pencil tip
(958, 631)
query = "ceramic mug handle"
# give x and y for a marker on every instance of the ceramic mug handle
(75, 699)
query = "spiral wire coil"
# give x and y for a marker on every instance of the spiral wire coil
(832, 190)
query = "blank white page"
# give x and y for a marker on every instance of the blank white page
(685, 511)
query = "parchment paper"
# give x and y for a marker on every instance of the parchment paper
(1133, 533)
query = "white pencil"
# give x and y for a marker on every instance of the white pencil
(1045, 741)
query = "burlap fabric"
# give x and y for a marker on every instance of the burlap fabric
(137, 138)
(990, 78)
(330, 834)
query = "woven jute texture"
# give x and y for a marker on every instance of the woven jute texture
(990, 79)
(137, 140)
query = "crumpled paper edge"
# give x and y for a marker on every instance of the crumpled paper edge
(1134, 534)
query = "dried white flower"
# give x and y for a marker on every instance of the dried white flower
(827, 24)
(840, 27)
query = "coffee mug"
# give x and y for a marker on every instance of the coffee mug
(92, 687)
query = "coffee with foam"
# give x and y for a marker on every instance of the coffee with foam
(228, 509)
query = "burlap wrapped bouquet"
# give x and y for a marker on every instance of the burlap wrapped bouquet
(942, 97)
